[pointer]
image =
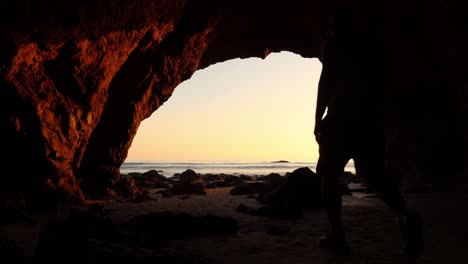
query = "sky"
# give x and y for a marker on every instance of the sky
(241, 110)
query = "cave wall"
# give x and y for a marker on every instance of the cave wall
(78, 77)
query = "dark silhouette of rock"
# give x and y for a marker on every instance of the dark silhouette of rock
(154, 174)
(349, 177)
(232, 180)
(246, 177)
(301, 188)
(187, 188)
(248, 188)
(212, 177)
(88, 236)
(142, 196)
(151, 179)
(273, 179)
(222, 184)
(175, 177)
(189, 176)
(70, 238)
(126, 186)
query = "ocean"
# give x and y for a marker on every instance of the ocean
(168, 169)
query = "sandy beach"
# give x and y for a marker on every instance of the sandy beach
(372, 229)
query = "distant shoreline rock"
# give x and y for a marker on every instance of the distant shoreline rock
(280, 161)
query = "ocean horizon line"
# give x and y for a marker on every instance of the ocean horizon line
(228, 167)
(220, 161)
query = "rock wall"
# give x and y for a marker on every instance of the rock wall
(78, 77)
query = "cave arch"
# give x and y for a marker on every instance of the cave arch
(77, 78)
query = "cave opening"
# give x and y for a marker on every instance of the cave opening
(239, 116)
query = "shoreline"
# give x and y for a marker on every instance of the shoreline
(371, 227)
(249, 169)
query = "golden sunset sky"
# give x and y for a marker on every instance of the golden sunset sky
(250, 110)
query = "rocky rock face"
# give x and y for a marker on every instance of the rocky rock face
(78, 77)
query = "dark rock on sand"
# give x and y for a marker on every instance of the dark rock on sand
(273, 178)
(151, 179)
(350, 177)
(187, 188)
(87, 236)
(189, 176)
(133, 193)
(154, 174)
(69, 240)
(182, 225)
(233, 180)
(301, 188)
(142, 195)
(132, 174)
(212, 177)
(216, 184)
(248, 188)
(284, 197)
(126, 186)
(175, 177)
(222, 184)
(246, 177)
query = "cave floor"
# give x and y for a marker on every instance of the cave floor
(372, 230)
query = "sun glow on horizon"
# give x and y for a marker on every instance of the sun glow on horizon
(238, 110)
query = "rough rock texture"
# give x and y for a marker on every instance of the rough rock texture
(77, 77)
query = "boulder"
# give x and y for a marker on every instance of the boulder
(233, 180)
(212, 177)
(126, 186)
(248, 188)
(301, 188)
(273, 178)
(189, 176)
(187, 188)
(151, 179)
